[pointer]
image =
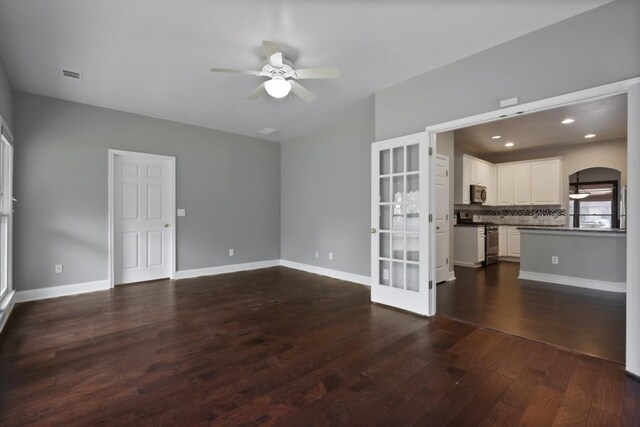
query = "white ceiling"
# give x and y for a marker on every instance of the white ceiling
(606, 118)
(152, 57)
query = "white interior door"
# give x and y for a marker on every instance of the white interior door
(399, 223)
(142, 217)
(441, 217)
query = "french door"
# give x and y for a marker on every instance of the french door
(400, 228)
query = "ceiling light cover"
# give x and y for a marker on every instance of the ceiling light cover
(496, 137)
(567, 121)
(509, 144)
(277, 87)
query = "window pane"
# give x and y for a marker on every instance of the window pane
(595, 221)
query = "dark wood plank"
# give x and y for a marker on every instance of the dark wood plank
(584, 320)
(283, 347)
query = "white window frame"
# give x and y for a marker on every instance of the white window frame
(6, 216)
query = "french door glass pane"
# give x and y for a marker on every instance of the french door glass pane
(385, 190)
(413, 277)
(413, 158)
(413, 247)
(385, 217)
(398, 246)
(385, 273)
(398, 189)
(398, 275)
(385, 245)
(398, 160)
(385, 162)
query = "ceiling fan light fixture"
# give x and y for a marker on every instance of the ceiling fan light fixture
(277, 87)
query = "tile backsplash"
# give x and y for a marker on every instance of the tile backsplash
(516, 215)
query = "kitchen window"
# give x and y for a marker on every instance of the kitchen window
(598, 209)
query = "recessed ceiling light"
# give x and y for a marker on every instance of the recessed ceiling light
(590, 135)
(496, 137)
(567, 121)
(509, 144)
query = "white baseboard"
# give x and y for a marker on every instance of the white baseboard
(60, 291)
(466, 264)
(210, 271)
(451, 276)
(574, 281)
(6, 305)
(336, 274)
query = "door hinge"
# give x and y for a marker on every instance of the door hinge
(447, 262)
(430, 218)
(446, 173)
(430, 284)
(431, 151)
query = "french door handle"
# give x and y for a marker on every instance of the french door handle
(166, 226)
(374, 230)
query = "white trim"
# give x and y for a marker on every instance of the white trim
(4, 128)
(579, 282)
(451, 276)
(110, 205)
(60, 291)
(540, 105)
(231, 268)
(467, 264)
(6, 305)
(336, 274)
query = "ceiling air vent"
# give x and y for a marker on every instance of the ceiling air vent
(71, 74)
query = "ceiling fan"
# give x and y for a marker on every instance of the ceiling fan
(283, 78)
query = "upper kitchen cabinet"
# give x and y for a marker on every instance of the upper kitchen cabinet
(546, 182)
(505, 185)
(522, 184)
(473, 171)
(536, 182)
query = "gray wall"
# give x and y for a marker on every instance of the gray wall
(326, 181)
(228, 184)
(608, 154)
(445, 146)
(582, 255)
(591, 49)
(6, 97)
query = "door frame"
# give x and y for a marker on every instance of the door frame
(172, 209)
(590, 94)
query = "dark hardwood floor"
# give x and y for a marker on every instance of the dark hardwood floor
(583, 320)
(283, 347)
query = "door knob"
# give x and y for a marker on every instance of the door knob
(166, 226)
(437, 228)
(374, 230)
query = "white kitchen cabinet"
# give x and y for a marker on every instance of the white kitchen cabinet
(513, 242)
(546, 182)
(468, 248)
(522, 183)
(502, 240)
(505, 185)
(473, 171)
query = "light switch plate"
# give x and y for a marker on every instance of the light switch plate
(182, 212)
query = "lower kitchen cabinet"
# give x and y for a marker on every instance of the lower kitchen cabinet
(468, 246)
(513, 242)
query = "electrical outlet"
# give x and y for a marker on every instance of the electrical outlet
(554, 260)
(232, 252)
(58, 268)
(330, 255)
(317, 254)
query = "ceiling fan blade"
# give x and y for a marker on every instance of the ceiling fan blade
(276, 59)
(234, 70)
(318, 73)
(302, 92)
(270, 48)
(257, 93)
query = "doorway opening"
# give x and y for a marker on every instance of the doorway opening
(529, 187)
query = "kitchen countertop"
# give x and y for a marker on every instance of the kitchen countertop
(574, 230)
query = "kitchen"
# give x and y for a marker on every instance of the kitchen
(538, 209)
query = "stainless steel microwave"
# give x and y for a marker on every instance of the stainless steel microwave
(478, 194)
